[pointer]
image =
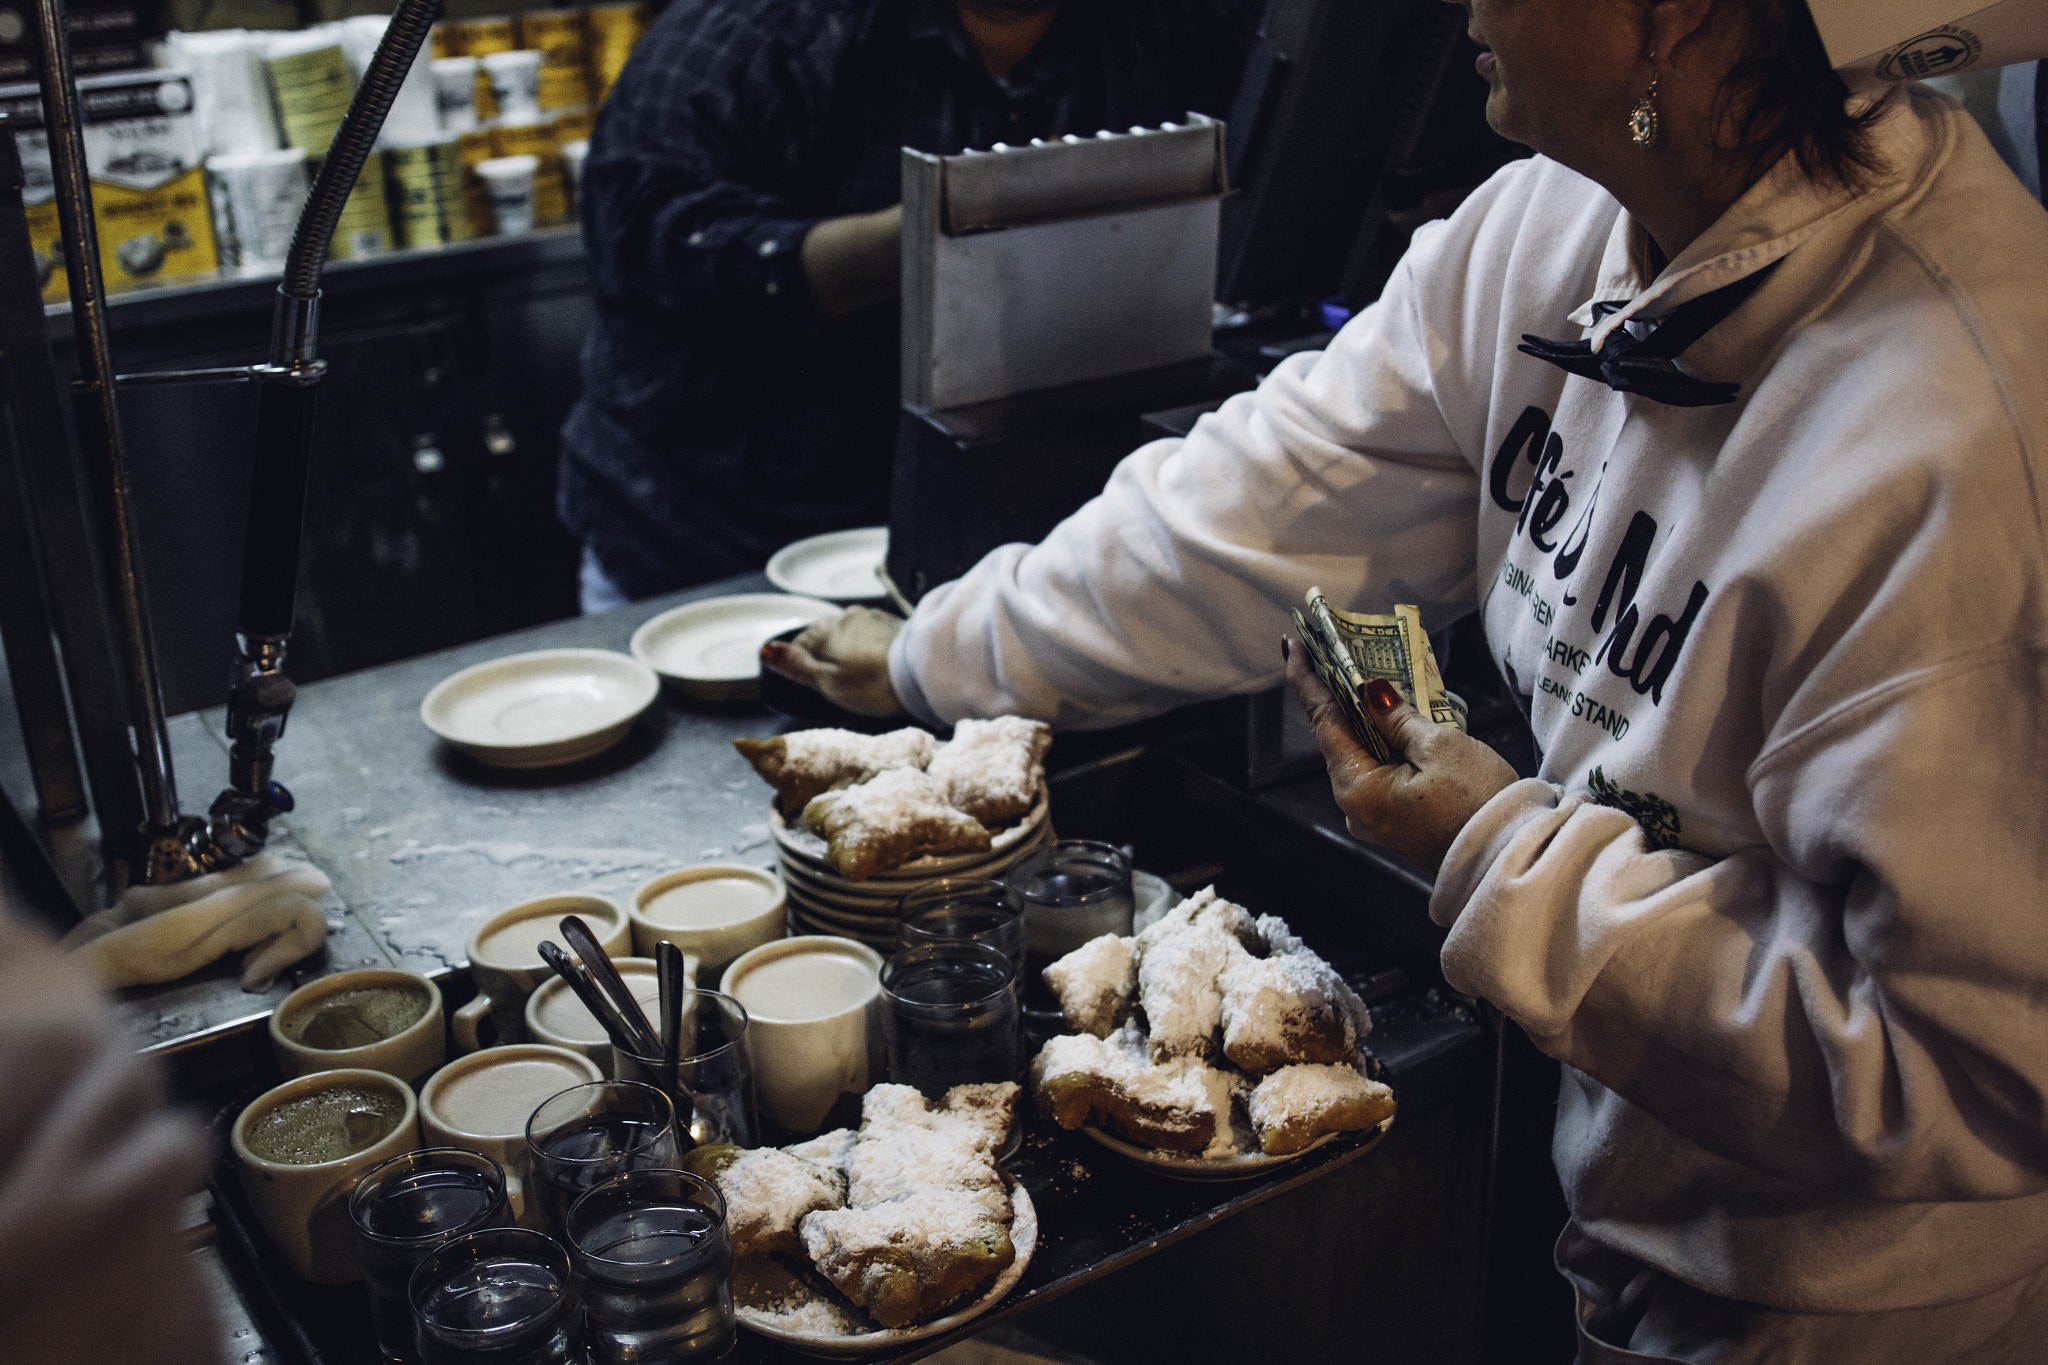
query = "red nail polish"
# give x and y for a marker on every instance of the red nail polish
(1286, 650)
(1381, 696)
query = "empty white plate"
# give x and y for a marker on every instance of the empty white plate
(839, 566)
(536, 710)
(712, 649)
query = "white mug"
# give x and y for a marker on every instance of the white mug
(712, 911)
(555, 1016)
(482, 1102)
(505, 962)
(408, 1054)
(814, 1024)
(304, 1208)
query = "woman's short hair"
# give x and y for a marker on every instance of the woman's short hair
(1786, 96)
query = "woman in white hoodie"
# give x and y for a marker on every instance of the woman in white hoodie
(1764, 555)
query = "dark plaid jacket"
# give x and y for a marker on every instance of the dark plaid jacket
(721, 417)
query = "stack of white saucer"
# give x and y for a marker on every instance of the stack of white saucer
(823, 902)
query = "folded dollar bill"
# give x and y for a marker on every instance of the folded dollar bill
(1350, 649)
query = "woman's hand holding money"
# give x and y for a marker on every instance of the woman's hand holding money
(1414, 806)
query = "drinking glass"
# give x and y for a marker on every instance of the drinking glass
(1074, 890)
(951, 1016)
(655, 1262)
(408, 1208)
(971, 909)
(590, 1133)
(712, 1083)
(503, 1296)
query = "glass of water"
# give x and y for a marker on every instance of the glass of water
(712, 1085)
(406, 1209)
(503, 1296)
(1074, 890)
(590, 1133)
(951, 1016)
(971, 909)
(655, 1263)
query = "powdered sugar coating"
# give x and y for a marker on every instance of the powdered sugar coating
(767, 1193)
(805, 763)
(905, 1145)
(1181, 961)
(993, 769)
(1096, 984)
(884, 822)
(1297, 1104)
(1183, 1093)
(827, 1149)
(1285, 1008)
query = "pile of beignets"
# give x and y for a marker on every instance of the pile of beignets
(881, 800)
(902, 1217)
(1203, 1012)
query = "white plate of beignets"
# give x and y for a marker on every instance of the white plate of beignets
(1210, 1045)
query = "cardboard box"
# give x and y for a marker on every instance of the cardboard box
(148, 185)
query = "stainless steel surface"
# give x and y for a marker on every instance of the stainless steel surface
(164, 854)
(1057, 264)
(1064, 176)
(422, 844)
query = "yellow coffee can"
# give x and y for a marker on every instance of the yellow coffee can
(480, 38)
(610, 31)
(470, 148)
(557, 34)
(425, 192)
(312, 82)
(574, 125)
(364, 228)
(537, 138)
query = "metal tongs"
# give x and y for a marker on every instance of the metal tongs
(604, 993)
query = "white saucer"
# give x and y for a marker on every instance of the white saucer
(839, 566)
(711, 650)
(540, 709)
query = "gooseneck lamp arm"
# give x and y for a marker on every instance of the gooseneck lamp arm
(175, 846)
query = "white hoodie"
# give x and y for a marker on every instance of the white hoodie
(1779, 898)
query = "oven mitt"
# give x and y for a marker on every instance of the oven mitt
(268, 905)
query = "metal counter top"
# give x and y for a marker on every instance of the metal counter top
(423, 844)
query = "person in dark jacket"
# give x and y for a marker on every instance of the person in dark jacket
(740, 205)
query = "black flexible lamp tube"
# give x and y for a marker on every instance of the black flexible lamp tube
(260, 696)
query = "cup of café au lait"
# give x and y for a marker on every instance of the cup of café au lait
(505, 962)
(712, 911)
(481, 1103)
(557, 1017)
(377, 1019)
(814, 1024)
(301, 1147)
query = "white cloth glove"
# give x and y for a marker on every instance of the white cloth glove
(268, 905)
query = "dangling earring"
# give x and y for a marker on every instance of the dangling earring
(1642, 120)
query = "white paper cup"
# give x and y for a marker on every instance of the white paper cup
(408, 1054)
(505, 962)
(814, 1024)
(515, 80)
(455, 92)
(508, 180)
(554, 1014)
(304, 1209)
(261, 194)
(712, 911)
(574, 154)
(481, 1103)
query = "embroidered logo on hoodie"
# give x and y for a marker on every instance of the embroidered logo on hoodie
(1658, 817)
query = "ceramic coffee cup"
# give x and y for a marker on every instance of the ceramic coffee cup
(404, 1007)
(712, 911)
(814, 1027)
(292, 1147)
(504, 961)
(555, 1016)
(481, 1102)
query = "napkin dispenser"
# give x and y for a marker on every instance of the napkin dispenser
(1052, 295)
